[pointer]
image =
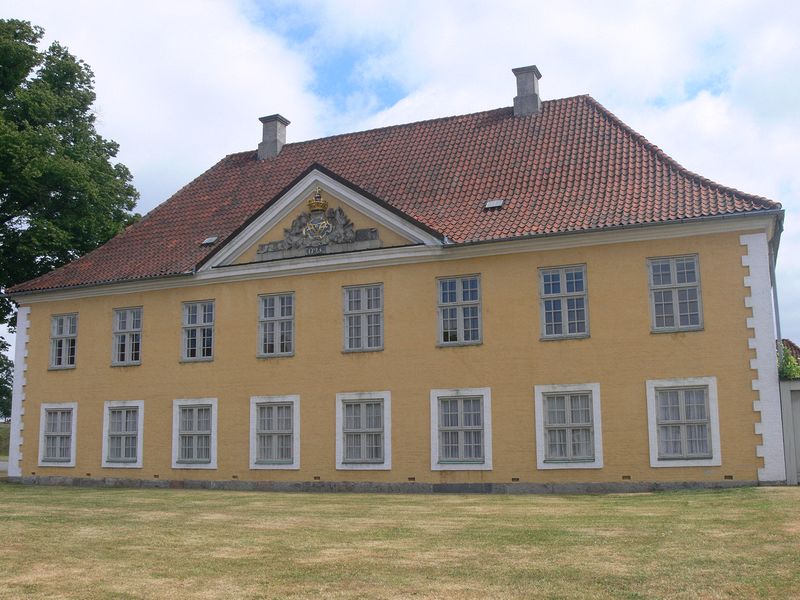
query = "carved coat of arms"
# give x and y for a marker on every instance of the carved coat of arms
(319, 231)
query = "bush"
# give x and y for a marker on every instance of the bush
(788, 368)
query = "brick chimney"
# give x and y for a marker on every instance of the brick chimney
(274, 136)
(527, 102)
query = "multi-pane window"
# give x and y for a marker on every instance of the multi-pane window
(63, 341)
(563, 302)
(123, 434)
(195, 434)
(568, 427)
(459, 304)
(683, 423)
(363, 431)
(274, 433)
(57, 435)
(277, 325)
(127, 336)
(675, 293)
(363, 317)
(198, 330)
(461, 429)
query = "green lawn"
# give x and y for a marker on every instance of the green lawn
(121, 543)
(5, 434)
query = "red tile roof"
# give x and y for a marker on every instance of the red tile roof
(791, 348)
(572, 167)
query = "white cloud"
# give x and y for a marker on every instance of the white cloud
(181, 83)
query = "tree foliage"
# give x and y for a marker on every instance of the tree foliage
(788, 367)
(61, 192)
(6, 381)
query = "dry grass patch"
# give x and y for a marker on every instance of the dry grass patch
(118, 543)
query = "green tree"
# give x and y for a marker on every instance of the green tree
(788, 368)
(61, 192)
(6, 380)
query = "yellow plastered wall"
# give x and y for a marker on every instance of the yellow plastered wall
(360, 221)
(620, 354)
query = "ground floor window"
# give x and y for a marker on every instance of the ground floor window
(568, 426)
(461, 429)
(194, 434)
(275, 432)
(683, 422)
(57, 434)
(364, 430)
(122, 434)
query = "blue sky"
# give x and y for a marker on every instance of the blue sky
(182, 83)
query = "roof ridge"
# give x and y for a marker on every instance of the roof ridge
(666, 158)
(411, 124)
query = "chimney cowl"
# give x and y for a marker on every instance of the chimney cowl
(527, 101)
(273, 136)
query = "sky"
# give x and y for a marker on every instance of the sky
(180, 84)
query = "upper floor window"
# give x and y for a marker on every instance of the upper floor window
(63, 341)
(459, 308)
(675, 293)
(277, 325)
(363, 317)
(127, 336)
(198, 330)
(563, 302)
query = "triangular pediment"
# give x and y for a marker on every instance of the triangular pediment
(321, 214)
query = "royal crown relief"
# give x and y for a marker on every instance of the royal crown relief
(320, 230)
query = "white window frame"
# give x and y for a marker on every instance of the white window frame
(255, 402)
(263, 320)
(386, 398)
(110, 405)
(362, 313)
(486, 396)
(710, 383)
(127, 333)
(176, 437)
(54, 338)
(539, 393)
(674, 287)
(73, 406)
(459, 305)
(564, 296)
(185, 327)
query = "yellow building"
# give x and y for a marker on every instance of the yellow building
(528, 298)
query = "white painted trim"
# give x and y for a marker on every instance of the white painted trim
(42, 423)
(18, 392)
(255, 402)
(386, 398)
(713, 413)
(486, 394)
(109, 404)
(765, 364)
(406, 255)
(292, 199)
(597, 426)
(176, 426)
